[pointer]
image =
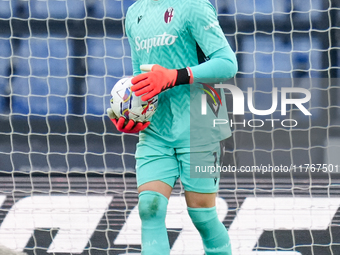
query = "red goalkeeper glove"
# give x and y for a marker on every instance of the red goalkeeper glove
(130, 127)
(158, 79)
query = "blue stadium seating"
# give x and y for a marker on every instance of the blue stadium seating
(127, 49)
(304, 9)
(266, 57)
(105, 57)
(38, 57)
(307, 54)
(59, 61)
(5, 53)
(32, 96)
(127, 66)
(21, 63)
(264, 8)
(94, 102)
(39, 96)
(41, 82)
(127, 58)
(58, 95)
(5, 9)
(108, 60)
(42, 9)
(111, 8)
(246, 8)
(38, 9)
(95, 61)
(98, 94)
(43, 57)
(127, 4)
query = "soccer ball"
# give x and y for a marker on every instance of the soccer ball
(125, 103)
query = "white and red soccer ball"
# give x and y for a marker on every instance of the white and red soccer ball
(125, 103)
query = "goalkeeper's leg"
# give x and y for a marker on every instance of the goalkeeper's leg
(202, 210)
(157, 172)
(200, 195)
(152, 206)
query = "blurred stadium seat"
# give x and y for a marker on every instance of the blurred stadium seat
(127, 58)
(5, 53)
(35, 95)
(264, 9)
(110, 8)
(127, 4)
(61, 9)
(98, 94)
(244, 9)
(306, 9)
(272, 57)
(5, 9)
(29, 96)
(105, 57)
(40, 85)
(21, 59)
(260, 55)
(59, 52)
(107, 61)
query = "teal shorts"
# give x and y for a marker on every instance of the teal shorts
(192, 165)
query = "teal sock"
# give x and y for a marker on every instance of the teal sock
(214, 234)
(152, 211)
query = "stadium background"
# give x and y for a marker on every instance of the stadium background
(59, 61)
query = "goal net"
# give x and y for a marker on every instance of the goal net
(67, 177)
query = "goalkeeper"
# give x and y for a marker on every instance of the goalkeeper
(177, 47)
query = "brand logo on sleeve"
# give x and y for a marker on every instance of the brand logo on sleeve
(214, 24)
(139, 19)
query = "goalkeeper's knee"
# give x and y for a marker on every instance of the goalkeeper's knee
(152, 208)
(214, 234)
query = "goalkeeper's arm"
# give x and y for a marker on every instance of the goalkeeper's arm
(221, 66)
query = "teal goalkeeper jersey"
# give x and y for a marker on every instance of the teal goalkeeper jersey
(177, 34)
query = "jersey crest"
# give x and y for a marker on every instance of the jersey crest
(169, 14)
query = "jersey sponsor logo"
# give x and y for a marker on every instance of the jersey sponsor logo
(169, 14)
(157, 41)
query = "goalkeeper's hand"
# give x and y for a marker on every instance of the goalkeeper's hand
(158, 79)
(130, 127)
